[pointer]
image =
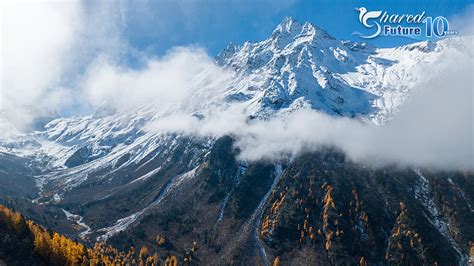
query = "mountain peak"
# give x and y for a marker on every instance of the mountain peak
(289, 25)
(288, 31)
(290, 28)
(226, 53)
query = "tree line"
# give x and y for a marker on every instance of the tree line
(24, 241)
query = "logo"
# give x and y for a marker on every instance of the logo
(407, 25)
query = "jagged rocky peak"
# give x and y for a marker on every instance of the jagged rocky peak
(288, 25)
(227, 53)
(290, 29)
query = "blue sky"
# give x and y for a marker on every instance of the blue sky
(155, 26)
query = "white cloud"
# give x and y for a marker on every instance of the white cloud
(36, 36)
(169, 82)
(463, 22)
(433, 129)
(46, 47)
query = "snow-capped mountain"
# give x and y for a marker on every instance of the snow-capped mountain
(112, 174)
(299, 66)
(302, 65)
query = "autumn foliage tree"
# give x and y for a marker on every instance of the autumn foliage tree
(57, 249)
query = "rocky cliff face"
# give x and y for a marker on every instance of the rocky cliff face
(318, 209)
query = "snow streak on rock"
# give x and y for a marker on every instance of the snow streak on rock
(78, 220)
(125, 222)
(259, 214)
(434, 216)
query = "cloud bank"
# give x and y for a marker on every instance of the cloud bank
(168, 81)
(433, 129)
(72, 57)
(35, 39)
(46, 47)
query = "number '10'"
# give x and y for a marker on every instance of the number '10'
(438, 26)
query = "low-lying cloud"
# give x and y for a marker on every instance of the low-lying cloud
(35, 39)
(433, 129)
(70, 58)
(167, 82)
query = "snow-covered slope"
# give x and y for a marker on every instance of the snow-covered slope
(15, 142)
(302, 65)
